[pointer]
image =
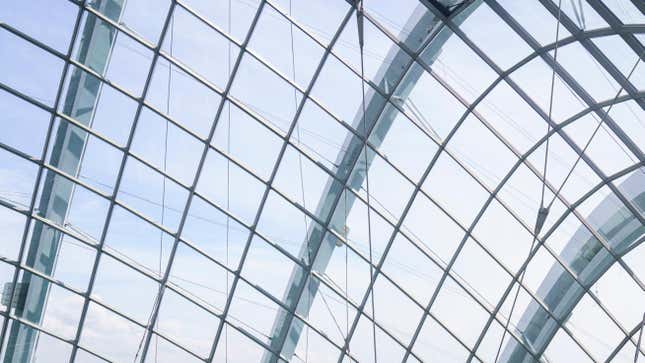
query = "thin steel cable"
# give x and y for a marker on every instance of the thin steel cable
(165, 163)
(302, 186)
(228, 177)
(359, 15)
(346, 271)
(332, 317)
(548, 124)
(543, 212)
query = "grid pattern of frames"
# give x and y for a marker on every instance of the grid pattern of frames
(195, 176)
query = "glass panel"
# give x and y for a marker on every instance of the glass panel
(319, 17)
(152, 194)
(186, 323)
(233, 138)
(432, 229)
(110, 335)
(471, 318)
(409, 267)
(477, 157)
(480, 274)
(405, 146)
(428, 104)
(173, 92)
(534, 78)
(497, 32)
(238, 192)
(189, 33)
(206, 227)
(25, 126)
(29, 69)
(396, 312)
(28, 16)
(113, 277)
(461, 195)
(536, 19)
(460, 67)
(167, 147)
(434, 341)
(294, 54)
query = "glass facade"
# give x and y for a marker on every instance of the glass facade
(322, 181)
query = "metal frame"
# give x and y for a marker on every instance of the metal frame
(225, 318)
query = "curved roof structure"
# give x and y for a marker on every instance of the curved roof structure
(322, 181)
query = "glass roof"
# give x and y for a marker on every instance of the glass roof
(322, 181)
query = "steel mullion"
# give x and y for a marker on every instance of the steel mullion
(36, 186)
